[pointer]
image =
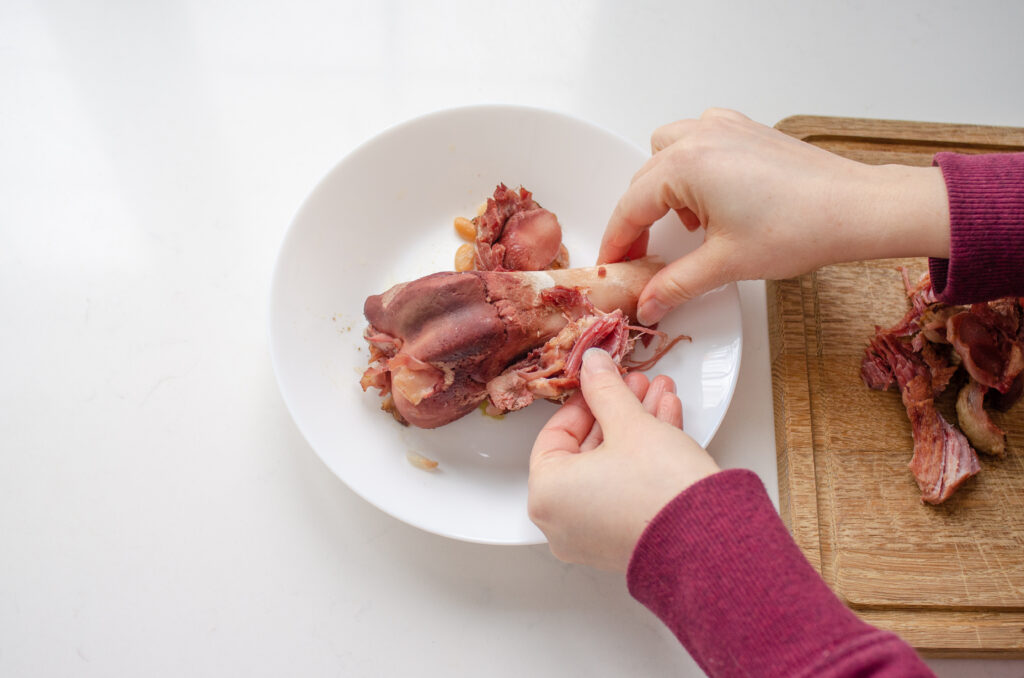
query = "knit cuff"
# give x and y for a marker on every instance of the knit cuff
(986, 214)
(718, 567)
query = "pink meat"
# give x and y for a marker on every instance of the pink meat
(531, 240)
(943, 459)
(552, 370)
(986, 337)
(877, 371)
(923, 303)
(921, 294)
(940, 369)
(922, 352)
(437, 342)
(515, 233)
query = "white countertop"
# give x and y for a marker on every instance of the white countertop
(160, 514)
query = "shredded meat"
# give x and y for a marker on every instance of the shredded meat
(943, 459)
(442, 344)
(922, 353)
(552, 370)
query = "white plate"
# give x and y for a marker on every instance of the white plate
(384, 215)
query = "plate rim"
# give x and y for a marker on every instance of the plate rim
(289, 233)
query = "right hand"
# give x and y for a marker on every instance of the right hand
(608, 461)
(773, 207)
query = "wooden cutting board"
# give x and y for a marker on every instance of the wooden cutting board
(949, 579)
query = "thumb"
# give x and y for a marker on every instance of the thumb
(610, 400)
(684, 279)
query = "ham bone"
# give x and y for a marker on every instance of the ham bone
(437, 342)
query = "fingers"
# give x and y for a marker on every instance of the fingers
(593, 439)
(689, 219)
(660, 385)
(649, 197)
(666, 135)
(641, 205)
(670, 410)
(662, 402)
(638, 384)
(693, 274)
(611, 401)
(564, 431)
(639, 247)
(725, 113)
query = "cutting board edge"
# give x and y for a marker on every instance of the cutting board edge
(807, 127)
(794, 507)
(934, 633)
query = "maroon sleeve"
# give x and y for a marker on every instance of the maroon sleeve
(986, 215)
(718, 567)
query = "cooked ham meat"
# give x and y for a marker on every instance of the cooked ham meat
(921, 354)
(943, 459)
(514, 233)
(876, 369)
(975, 422)
(552, 371)
(437, 343)
(987, 338)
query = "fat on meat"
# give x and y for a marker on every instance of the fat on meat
(441, 344)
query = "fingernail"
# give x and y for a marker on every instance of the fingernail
(597, 360)
(651, 311)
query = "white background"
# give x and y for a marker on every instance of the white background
(160, 515)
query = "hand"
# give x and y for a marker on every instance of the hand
(607, 462)
(773, 207)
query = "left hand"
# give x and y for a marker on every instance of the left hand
(772, 207)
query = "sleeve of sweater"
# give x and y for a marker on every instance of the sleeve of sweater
(986, 215)
(718, 567)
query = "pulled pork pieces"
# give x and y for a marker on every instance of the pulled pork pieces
(943, 459)
(921, 354)
(442, 344)
(990, 340)
(552, 370)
